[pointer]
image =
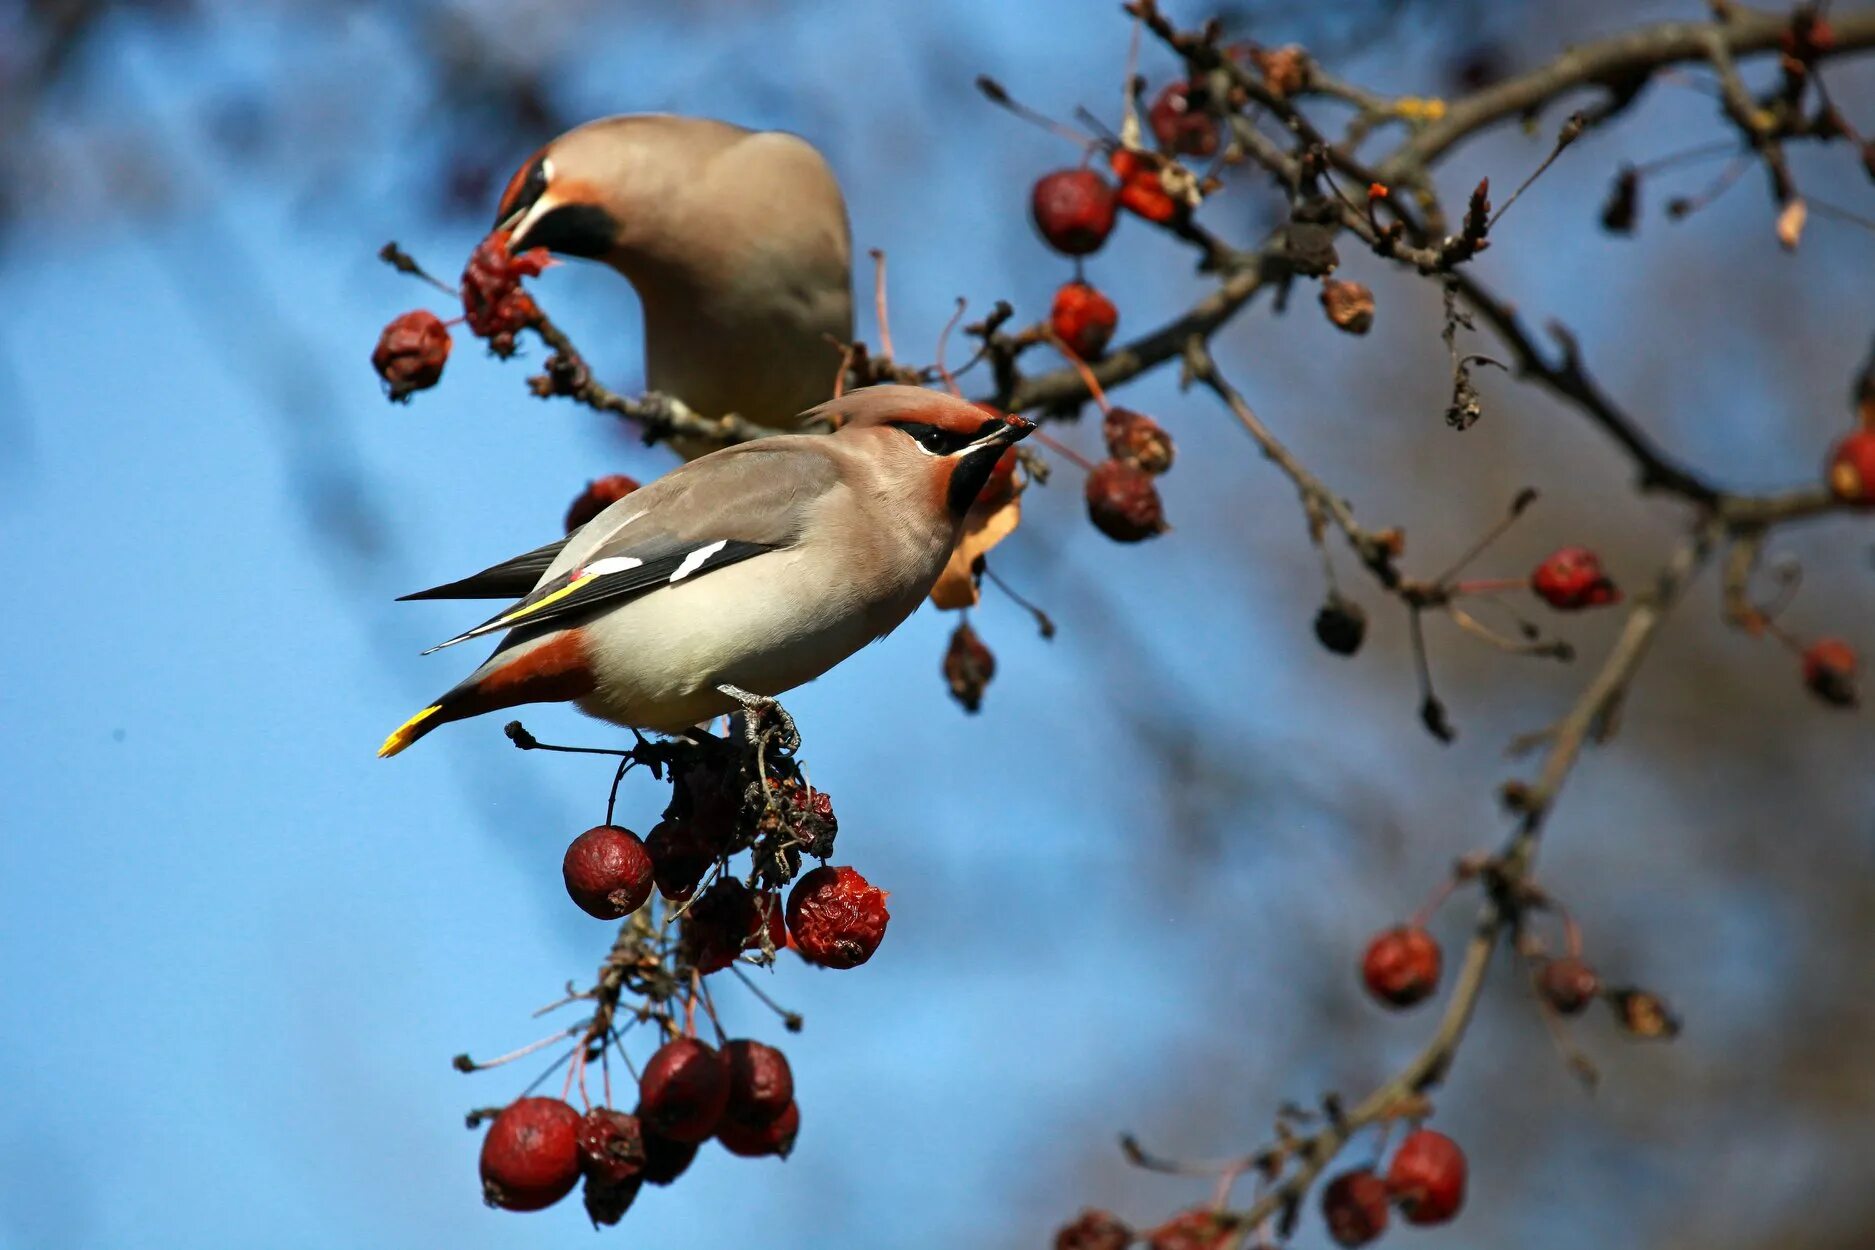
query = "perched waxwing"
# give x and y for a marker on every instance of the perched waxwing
(736, 240)
(735, 577)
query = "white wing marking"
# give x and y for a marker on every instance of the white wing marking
(696, 559)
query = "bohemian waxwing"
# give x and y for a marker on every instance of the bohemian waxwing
(737, 576)
(736, 240)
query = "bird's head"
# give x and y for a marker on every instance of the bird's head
(554, 203)
(625, 190)
(955, 442)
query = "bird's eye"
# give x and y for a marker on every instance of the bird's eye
(937, 441)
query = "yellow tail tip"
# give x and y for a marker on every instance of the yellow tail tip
(406, 733)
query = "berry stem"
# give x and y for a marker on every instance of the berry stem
(879, 303)
(465, 1064)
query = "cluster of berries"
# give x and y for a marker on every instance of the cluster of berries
(689, 917)
(1425, 1180)
(537, 1149)
(414, 347)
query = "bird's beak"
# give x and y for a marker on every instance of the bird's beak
(524, 219)
(1013, 430)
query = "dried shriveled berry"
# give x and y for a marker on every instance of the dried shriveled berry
(1401, 966)
(1349, 305)
(683, 1091)
(680, 854)
(1829, 671)
(1623, 206)
(1341, 625)
(611, 1147)
(1201, 1229)
(606, 1204)
(600, 494)
(1644, 1014)
(1094, 1230)
(1355, 1206)
(761, 1085)
(1142, 192)
(1179, 125)
(530, 1157)
(725, 921)
(1083, 319)
(607, 872)
(1427, 1177)
(836, 917)
(411, 353)
(666, 1158)
(1074, 209)
(1572, 578)
(493, 303)
(1568, 984)
(1123, 502)
(1852, 469)
(753, 1141)
(968, 667)
(1137, 439)
(1285, 70)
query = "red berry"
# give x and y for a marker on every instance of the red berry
(683, 1090)
(1141, 191)
(1074, 209)
(1852, 468)
(1568, 984)
(1829, 670)
(666, 1158)
(1137, 439)
(1123, 503)
(1571, 579)
(1178, 126)
(600, 494)
(1083, 319)
(837, 919)
(725, 921)
(761, 1085)
(611, 1146)
(752, 1141)
(607, 872)
(1427, 1177)
(530, 1158)
(680, 854)
(1401, 966)
(1192, 1230)
(1094, 1230)
(411, 353)
(1355, 1206)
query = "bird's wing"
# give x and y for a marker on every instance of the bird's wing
(511, 579)
(698, 518)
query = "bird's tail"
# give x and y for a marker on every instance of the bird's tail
(550, 668)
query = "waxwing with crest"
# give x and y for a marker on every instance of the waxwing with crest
(738, 576)
(737, 243)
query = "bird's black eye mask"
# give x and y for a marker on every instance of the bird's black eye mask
(584, 230)
(574, 229)
(942, 442)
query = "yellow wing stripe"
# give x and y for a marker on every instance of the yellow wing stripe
(405, 733)
(542, 602)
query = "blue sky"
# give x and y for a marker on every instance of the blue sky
(239, 951)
